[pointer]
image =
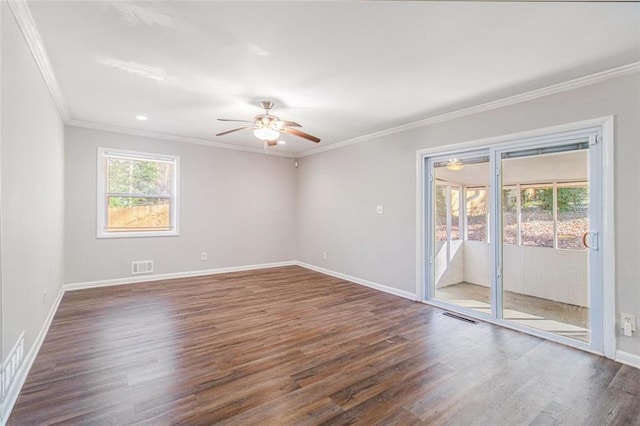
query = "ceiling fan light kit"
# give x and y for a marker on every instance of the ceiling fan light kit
(268, 128)
(266, 134)
(455, 165)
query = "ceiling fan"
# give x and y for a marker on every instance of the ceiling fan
(267, 127)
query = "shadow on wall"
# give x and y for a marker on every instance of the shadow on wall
(449, 264)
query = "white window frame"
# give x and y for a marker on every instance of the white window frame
(101, 204)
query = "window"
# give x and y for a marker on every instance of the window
(476, 204)
(537, 216)
(510, 214)
(137, 194)
(441, 216)
(554, 215)
(573, 216)
(455, 213)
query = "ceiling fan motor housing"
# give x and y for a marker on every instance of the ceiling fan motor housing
(267, 127)
(266, 121)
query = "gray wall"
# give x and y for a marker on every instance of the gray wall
(237, 206)
(32, 166)
(339, 189)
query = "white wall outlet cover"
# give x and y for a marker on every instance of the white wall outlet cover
(628, 320)
(380, 209)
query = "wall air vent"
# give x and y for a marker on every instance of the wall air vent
(10, 367)
(141, 267)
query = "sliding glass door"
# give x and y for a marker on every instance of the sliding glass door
(546, 238)
(512, 235)
(460, 251)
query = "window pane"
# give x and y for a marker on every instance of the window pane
(476, 204)
(573, 217)
(138, 214)
(510, 216)
(132, 176)
(440, 217)
(455, 213)
(537, 217)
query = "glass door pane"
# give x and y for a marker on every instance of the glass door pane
(461, 249)
(545, 264)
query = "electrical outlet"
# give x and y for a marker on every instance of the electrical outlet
(204, 256)
(380, 209)
(324, 255)
(624, 318)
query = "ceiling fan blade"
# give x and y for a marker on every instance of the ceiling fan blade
(233, 130)
(298, 133)
(288, 123)
(272, 143)
(231, 119)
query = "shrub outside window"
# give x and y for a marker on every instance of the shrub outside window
(137, 194)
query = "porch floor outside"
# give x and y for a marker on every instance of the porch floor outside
(548, 315)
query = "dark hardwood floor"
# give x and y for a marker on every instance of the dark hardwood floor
(291, 346)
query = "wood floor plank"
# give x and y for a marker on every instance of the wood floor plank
(291, 346)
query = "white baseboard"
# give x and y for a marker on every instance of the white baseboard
(23, 371)
(173, 275)
(628, 359)
(371, 284)
(187, 274)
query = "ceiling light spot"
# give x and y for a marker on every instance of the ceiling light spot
(141, 117)
(281, 142)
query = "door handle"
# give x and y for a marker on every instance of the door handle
(584, 240)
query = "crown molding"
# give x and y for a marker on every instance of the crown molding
(488, 106)
(169, 137)
(23, 17)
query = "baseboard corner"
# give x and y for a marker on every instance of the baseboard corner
(628, 358)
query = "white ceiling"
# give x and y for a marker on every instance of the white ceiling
(341, 69)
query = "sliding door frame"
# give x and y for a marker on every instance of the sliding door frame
(547, 136)
(429, 278)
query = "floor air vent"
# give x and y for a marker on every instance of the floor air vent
(142, 267)
(458, 317)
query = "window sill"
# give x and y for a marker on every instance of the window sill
(137, 234)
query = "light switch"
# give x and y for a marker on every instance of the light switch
(380, 209)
